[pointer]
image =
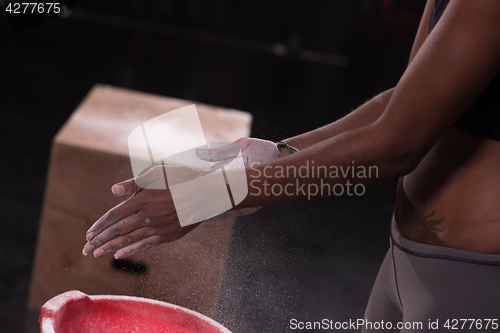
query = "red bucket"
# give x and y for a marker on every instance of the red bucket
(76, 312)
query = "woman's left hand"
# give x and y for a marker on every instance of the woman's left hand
(146, 219)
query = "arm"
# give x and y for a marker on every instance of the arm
(370, 111)
(454, 65)
(362, 116)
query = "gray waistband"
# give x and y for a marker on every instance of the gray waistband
(440, 252)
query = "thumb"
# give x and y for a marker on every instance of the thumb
(135, 185)
(125, 188)
(228, 151)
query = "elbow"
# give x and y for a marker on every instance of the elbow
(402, 155)
(404, 163)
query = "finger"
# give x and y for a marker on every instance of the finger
(120, 228)
(125, 188)
(178, 175)
(123, 241)
(139, 247)
(235, 163)
(218, 154)
(135, 185)
(153, 175)
(115, 214)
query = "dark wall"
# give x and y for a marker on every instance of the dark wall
(295, 65)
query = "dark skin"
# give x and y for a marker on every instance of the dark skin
(448, 179)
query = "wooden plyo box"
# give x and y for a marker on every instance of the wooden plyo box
(89, 155)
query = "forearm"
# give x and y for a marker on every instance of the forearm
(374, 155)
(364, 115)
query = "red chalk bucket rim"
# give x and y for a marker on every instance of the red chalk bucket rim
(73, 304)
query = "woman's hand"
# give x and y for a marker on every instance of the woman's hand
(251, 151)
(242, 153)
(146, 219)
